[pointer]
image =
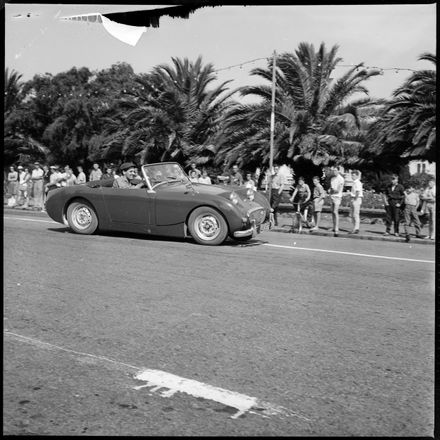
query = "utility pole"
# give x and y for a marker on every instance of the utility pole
(272, 124)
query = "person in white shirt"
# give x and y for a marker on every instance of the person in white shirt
(37, 186)
(278, 185)
(96, 173)
(205, 178)
(81, 177)
(24, 178)
(335, 191)
(249, 182)
(356, 195)
(428, 198)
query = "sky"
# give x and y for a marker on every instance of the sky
(384, 36)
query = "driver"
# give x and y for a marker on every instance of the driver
(129, 178)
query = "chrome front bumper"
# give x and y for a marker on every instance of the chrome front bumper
(254, 230)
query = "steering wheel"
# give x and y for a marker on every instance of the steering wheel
(159, 183)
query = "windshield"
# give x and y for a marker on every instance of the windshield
(164, 173)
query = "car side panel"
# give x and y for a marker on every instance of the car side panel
(129, 209)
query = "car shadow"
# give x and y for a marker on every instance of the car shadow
(137, 236)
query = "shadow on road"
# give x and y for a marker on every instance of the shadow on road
(137, 236)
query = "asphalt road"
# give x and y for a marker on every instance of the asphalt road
(331, 336)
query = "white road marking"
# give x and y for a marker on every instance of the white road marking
(56, 347)
(348, 253)
(158, 379)
(31, 220)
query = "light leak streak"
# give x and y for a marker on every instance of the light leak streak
(348, 253)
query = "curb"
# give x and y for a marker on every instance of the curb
(288, 230)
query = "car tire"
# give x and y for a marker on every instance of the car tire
(82, 217)
(207, 226)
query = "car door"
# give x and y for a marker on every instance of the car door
(129, 209)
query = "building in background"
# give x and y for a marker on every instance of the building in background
(421, 166)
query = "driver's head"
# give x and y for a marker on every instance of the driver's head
(128, 169)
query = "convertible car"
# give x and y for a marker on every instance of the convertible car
(169, 204)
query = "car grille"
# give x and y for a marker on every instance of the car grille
(257, 214)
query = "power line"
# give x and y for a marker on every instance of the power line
(382, 69)
(241, 64)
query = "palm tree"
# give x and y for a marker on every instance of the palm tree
(17, 142)
(12, 91)
(407, 127)
(174, 115)
(316, 123)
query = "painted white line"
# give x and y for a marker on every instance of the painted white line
(30, 219)
(56, 347)
(348, 253)
(158, 379)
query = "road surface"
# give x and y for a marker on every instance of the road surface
(287, 335)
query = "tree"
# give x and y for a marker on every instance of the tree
(316, 124)
(17, 141)
(406, 129)
(173, 116)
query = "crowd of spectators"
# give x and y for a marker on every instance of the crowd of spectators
(27, 187)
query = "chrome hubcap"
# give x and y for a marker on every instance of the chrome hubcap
(207, 227)
(82, 217)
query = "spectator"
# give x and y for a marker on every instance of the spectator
(356, 195)
(302, 195)
(335, 191)
(278, 184)
(318, 202)
(70, 178)
(12, 186)
(235, 177)
(54, 178)
(249, 182)
(62, 176)
(393, 199)
(96, 173)
(23, 186)
(193, 176)
(46, 178)
(81, 177)
(428, 207)
(205, 178)
(109, 174)
(37, 186)
(194, 171)
(411, 202)
(128, 179)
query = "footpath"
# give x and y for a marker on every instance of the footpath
(372, 225)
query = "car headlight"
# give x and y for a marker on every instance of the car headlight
(234, 198)
(250, 194)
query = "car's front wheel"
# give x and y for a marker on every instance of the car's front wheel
(82, 217)
(207, 226)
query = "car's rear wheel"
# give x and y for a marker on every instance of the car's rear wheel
(82, 217)
(207, 226)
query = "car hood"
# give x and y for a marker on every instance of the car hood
(220, 190)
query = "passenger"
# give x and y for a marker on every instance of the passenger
(129, 173)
